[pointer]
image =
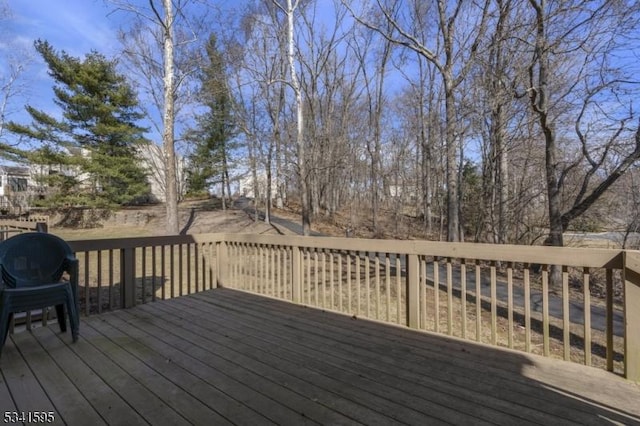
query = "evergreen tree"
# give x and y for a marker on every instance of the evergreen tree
(91, 150)
(209, 161)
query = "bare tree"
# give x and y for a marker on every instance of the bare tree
(162, 50)
(14, 64)
(570, 79)
(373, 81)
(289, 9)
(453, 63)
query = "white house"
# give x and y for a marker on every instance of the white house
(152, 158)
(16, 189)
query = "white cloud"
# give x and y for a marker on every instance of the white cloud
(75, 26)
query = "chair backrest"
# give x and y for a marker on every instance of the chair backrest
(33, 258)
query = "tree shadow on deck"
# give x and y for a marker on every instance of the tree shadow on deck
(537, 326)
(109, 297)
(446, 378)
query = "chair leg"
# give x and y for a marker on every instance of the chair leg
(74, 320)
(61, 318)
(5, 321)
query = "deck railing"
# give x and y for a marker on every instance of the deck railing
(495, 294)
(10, 227)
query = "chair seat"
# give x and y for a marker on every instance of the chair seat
(30, 298)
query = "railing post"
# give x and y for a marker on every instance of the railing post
(127, 277)
(222, 259)
(631, 276)
(413, 292)
(296, 270)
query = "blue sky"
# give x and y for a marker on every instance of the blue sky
(76, 26)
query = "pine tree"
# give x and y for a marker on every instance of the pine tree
(209, 161)
(91, 150)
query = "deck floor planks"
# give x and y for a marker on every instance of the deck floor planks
(243, 403)
(6, 402)
(304, 381)
(26, 392)
(102, 398)
(546, 401)
(365, 390)
(306, 396)
(182, 361)
(69, 402)
(98, 352)
(392, 374)
(600, 387)
(178, 398)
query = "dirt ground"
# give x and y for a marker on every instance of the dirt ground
(196, 217)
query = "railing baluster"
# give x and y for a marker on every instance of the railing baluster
(377, 279)
(436, 294)
(196, 267)
(340, 282)
(398, 288)
(143, 286)
(545, 309)
(111, 279)
(189, 261)
(331, 281)
(87, 284)
(510, 303)
(387, 271)
(423, 292)
(367, 282)
(324, 278)
(308, 287)
(316, 278)
(463, 297)
(349, 306)
(279, 272)
(163, 271)
(358, 284)
(527, 308)
(478, 301)
(609, 303)
(172, 270)
(587, 315)
(99, 283)
(449, 296)
(494, 307)
(566, 324)
(153, 273)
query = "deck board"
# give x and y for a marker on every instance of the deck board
(229, 357)
(358, 359)
(511, 400)
(337, 394)
(337, 373)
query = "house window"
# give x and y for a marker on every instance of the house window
(17, 184)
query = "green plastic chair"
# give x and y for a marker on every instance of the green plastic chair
(31, 266)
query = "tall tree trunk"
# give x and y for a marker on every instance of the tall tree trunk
(453, 197)
(168, 119)
(300, 146)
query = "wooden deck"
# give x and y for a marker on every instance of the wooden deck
(228, 357)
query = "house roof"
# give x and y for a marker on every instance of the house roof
(14, 171)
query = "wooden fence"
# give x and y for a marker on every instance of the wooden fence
(10, 227)
(495, 294)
